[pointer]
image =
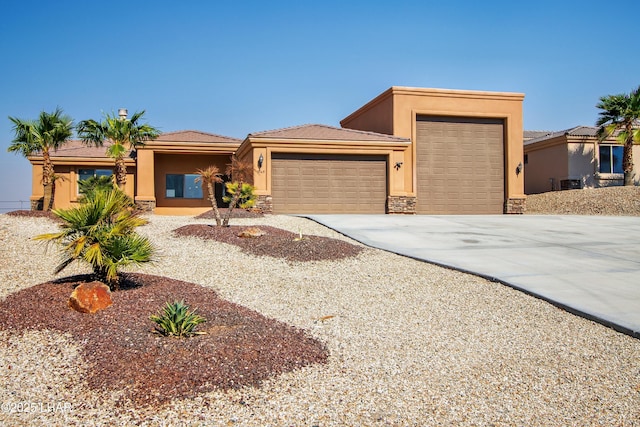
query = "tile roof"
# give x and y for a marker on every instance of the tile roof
(76, 148)
(327, 133)
(195, 136)
(574, 131)
(530, 134)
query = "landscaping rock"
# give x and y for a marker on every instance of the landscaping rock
(252, 232)
(90, 297)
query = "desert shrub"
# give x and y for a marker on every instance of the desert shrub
(177, 320)
(100, 232)
(247, 198)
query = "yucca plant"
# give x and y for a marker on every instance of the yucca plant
(177, 320)
(100, 231)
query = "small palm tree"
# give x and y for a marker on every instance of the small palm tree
(621, 114)
(240, 172)
(101, 233)
(211, 176)
(87, 187)
(123, 134)
(42, 136)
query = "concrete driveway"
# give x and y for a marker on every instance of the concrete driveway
(589, 265)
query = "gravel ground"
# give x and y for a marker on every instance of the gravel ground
(409, 344)
(623, 201)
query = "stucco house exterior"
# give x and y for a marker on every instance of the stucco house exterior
(573, 158)
(409, 150)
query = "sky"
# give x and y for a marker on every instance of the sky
(236, 67)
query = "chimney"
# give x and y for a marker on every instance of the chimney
(122, 112)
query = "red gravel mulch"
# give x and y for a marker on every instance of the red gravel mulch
(275, 243)
(34, 214)
(236, 213)
(241, 347)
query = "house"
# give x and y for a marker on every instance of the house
(573, 158)
(409, 150)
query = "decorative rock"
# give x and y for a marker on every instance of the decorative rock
(252, 232)
(90, 297)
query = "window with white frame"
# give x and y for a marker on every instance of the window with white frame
(611, 158)
(183, 186)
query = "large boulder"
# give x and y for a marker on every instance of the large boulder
(90, 297)
(251, 232)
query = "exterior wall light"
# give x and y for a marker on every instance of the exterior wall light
(260, 161)
(398, 165)
(519, 168)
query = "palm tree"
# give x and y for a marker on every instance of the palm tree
(240, 172)
(43, 136)
(123, 134)
(100, 232)
(211, 176)
(621, 114)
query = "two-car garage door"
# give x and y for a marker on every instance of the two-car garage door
(460, 165)
(307, 183)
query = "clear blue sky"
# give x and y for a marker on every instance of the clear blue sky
(235, 67)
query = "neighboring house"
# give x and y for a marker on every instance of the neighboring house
(573, 158)
(409, 150)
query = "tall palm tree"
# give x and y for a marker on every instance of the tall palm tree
(621, 114)
(44, 135)
(122, 133)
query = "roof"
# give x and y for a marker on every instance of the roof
(574, 131)
(326, 133)
(530, 134)
(195, 136)
(76, 148)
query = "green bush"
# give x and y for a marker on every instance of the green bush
(247, 196)
(176, 320)
(87, 187)
(101, 233)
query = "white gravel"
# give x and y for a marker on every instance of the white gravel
(410, 344)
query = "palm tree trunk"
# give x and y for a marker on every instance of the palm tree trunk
(234, 202)
(121, 173)
(47, 180)
(214, 204)
(627, 162)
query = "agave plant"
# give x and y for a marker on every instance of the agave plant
(100, 232)
(177, 320)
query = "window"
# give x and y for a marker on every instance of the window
(611, 159)
(183, 186)
(89, 173)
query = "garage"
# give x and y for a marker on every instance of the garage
(310, 183)
(460, 165)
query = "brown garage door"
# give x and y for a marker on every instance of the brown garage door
(328, 184)
(460, 165)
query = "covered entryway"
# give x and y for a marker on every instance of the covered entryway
(309, 183)
(460, 165)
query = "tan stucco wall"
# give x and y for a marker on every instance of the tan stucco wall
(408, 103)
(545, 164)
(172, 163)
(67, 186)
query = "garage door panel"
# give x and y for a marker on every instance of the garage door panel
(333, 184)
(460, 165)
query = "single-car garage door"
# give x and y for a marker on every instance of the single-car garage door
(460, 165)
(328, 184)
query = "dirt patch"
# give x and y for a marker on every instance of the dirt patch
(241, 346)
(616, 201)
(276, 243)
(236, 213)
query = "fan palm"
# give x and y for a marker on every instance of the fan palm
(621, 114)
(42, 136)
(211, 176)
(100, 232)
(123, 134)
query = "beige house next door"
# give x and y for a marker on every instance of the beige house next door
(307, 183)
(460, 165)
